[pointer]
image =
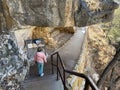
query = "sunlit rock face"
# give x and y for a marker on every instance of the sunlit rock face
(40, 12)
(54, 37)
(95, 11)
(57, 12)
(99, 50)
(13, 63)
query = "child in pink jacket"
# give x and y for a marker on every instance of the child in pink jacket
(40, 58)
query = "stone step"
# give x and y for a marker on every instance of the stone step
(55, 33)
(60, 36)
(33, 72)
(64, 38)
(48, 82)
(38, 78)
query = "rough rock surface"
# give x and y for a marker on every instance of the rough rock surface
(13, 63)
(95, 11)
(55, 12)
(54, 37)
(99, 50)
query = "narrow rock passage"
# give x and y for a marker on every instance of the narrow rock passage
(69, 53)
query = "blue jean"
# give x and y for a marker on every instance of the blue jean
(40, 68)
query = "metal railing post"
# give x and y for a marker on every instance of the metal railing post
(57, 66)
(86, 85)
(64, 78)
(52, 64)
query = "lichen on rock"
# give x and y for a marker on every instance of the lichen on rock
(13, 63)
(98, 48)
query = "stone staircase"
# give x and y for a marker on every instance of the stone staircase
(48, 81)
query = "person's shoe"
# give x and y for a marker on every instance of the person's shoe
(42, 75)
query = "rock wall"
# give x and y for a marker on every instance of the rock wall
(99, 49)
(95, 11)
(48, 13)
(13, 63)
(52, 36)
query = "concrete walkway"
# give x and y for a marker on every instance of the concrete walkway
(48, 82)
(69, 53)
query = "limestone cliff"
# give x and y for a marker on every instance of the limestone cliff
(99, 50)
(14, 13)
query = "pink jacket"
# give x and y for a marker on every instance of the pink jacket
(40, 57)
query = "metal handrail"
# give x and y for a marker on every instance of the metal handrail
(58, 68)
(88, 80)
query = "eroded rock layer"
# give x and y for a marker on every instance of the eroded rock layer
(55, 12)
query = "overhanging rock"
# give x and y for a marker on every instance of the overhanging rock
(48, 13)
